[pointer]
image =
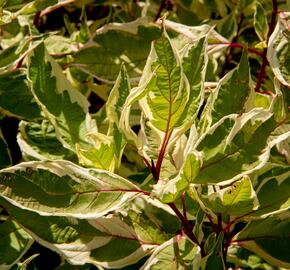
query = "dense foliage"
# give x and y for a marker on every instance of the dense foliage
(153, 134)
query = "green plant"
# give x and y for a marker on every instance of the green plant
(204, 181)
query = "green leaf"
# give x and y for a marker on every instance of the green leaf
(5, 158)
(167, 90)
(118, 95)
(107, 150)
(132, 48)
(227, 26)
(269, 238)
(197, 230)
(237, 199)
(230, 95)
(16, 98)
(237, 145)
(215, 259)
(113, 241)
(194, 63)
(273, 191)
(278, 53)
(176, 253)
(169, 190)
(65, 189)
(64, 106)
(260, 22)
(36, 5)
(9, 55)
(107, 242)
(14, 242)
(101, 153)
(38, 141)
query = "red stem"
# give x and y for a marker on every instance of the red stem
(239, 45)
(262, 72)
(161, 7)
(183, 205)
(187, 226)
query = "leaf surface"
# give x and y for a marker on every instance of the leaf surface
(65, 189)
(269, 238)
(16, 98)
(14, 243)
(176, 253)
(63, 105)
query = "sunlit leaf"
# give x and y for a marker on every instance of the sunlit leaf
(177, 253)
(65, 189)
(237, 199)
(64, 106)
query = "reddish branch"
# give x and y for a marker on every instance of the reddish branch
(161, 7)
(261, 74)
(239, 45)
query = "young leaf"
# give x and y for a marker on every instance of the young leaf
(260, 22)
(16, 98)
(197, 230)
(106, 150)
(64, 106)
(100, 154)
(269, 238)
(168, 190)
(168, 102)
(65, 189)
(176, 253)
(278, 49)
(14, 242)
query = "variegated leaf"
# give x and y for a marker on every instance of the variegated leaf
(273, 191)
(65, 189)
(237, 145)
(177, 253)
(237, 199)
(278, 52)
(134, 39)
(113, 241)
(260, 22)
(229, 96)
(63, 105)
(14, 242)
(39, 142)
(16, 98)
(269, 238)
